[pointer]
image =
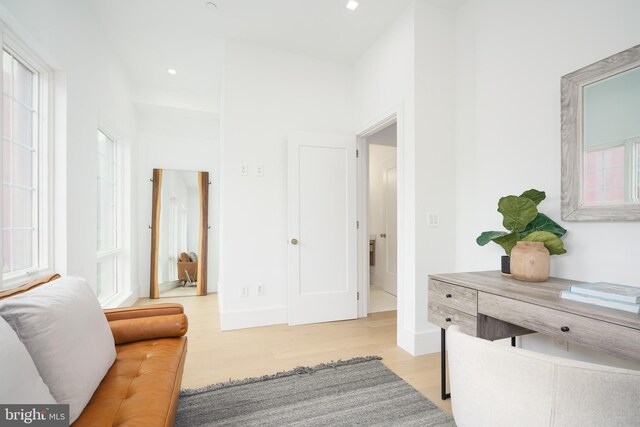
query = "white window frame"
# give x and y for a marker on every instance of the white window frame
(117, 253)
(44, 183)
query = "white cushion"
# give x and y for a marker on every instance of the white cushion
(67, 335)
(20, 381)
(494, 385)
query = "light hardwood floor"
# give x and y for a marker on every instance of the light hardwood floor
(214, 356)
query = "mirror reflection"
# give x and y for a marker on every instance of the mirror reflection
(178, 227)
(611, 140)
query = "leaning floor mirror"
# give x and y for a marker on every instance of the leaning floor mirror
(179, 228)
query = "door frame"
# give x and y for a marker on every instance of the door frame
(396, 115)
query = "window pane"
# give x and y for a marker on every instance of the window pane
(20, 165)
(18, 247)
(7, 160)
(22, 125)
(21, 208)
(7, 113)
(23, 84)
(7, 72)
(107, 274)
(105, 170)
(106, 238)
(22, 249)
(6, 207)
(107, 203)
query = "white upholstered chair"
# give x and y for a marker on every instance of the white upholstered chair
(494, 385)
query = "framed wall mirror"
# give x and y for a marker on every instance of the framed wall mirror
(601, 140)
(179, 231)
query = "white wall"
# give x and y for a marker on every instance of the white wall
(92, 90)
(435, 161)
(379, 157)
(384, 79)
(267, 94)
(176, 139)
(410, 70)
(510, 57)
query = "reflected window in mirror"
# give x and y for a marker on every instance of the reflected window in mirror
(611, 136)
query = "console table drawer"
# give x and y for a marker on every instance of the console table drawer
(607, 337)
(444, 317)
(456, 297)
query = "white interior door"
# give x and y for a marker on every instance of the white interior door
(390, 190)
(322, 228)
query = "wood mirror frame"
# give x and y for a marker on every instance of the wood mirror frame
(203, 189)
(573, 208)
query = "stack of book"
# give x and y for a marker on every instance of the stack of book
(611, 295)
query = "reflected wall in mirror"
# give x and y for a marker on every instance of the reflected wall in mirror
(179, 233)
(601, 140)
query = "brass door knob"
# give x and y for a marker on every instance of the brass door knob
(294, 241)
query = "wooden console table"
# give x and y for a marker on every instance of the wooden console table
(492, 306)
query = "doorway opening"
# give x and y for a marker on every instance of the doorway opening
(382, 221)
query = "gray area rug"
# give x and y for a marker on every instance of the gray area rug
(360, 391)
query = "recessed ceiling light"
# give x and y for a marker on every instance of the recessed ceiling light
(353, 4)
(172, 71)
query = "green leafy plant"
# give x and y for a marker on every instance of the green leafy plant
(523, 222)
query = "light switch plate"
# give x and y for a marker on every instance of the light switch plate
(244, 169)
(260, 170)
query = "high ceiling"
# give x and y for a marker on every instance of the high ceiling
(153, 35)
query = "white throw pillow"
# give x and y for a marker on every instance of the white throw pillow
(20, 381)
(67, 335)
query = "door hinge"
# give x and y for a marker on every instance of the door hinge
(358, 295)
(358, 225)
(357, 153)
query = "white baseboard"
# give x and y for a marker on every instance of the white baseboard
(418, 344)
(231, 320)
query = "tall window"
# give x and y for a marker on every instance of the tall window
(109, 217)
(24, 165)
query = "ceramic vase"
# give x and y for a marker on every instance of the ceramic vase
(530, 262)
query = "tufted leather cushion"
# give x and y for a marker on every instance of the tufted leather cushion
(141, 388)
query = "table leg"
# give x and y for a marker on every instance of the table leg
(443, 365)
